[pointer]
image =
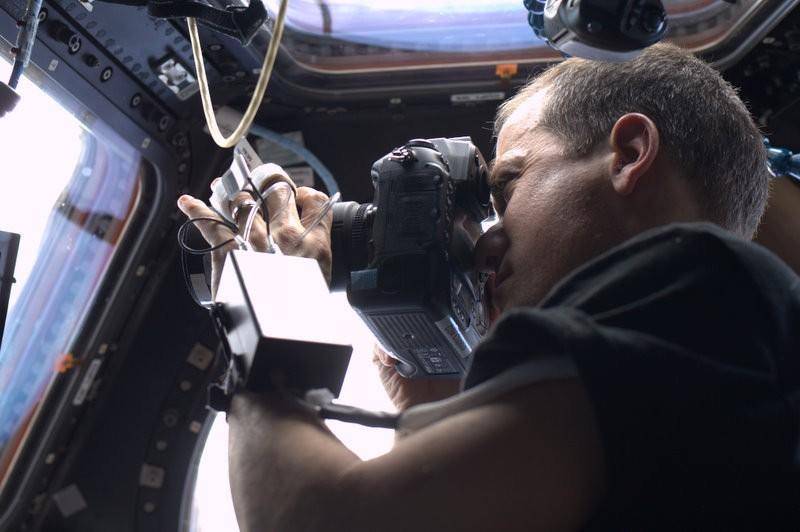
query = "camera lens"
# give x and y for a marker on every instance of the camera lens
(350, 234)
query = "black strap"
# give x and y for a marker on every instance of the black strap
(239, 22)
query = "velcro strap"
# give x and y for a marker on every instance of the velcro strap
(268, 174)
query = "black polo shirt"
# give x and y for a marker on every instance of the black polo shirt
(687, 340)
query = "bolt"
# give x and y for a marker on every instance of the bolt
(170, 418)
(106, 74)
(42, 15)
(136, 100)
(215, 47)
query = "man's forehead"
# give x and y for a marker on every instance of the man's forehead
(511, 145)
(521, 122)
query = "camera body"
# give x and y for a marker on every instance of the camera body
(406, 259)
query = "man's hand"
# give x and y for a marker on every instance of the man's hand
(288, 221)
(410, 392)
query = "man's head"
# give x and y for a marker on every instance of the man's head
(590, 154)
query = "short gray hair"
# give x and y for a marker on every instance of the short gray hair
(704, 126)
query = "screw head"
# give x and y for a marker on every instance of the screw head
(136, 100)
(106, 74)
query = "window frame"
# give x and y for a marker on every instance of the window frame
(123, 285)
(478, 74)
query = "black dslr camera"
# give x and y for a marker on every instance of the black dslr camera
(406, 259)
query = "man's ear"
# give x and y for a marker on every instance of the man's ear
(635, 144)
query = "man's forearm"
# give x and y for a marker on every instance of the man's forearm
(286, 467)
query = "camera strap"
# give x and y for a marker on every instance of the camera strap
(321, 401)
(239, 22)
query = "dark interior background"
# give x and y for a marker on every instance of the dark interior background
(139, 416)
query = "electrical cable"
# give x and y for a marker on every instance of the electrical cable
(261, 85)
(272, 246)
(243, 239)
(318, 218)
(251, 217)
(325, 175)
(183, 231)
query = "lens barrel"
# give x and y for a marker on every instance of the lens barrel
(350, 235)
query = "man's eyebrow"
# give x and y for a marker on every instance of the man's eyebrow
(499, 169)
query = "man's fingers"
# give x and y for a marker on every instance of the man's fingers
(311, 203)
(241, 206)
(214, 233)
(379, 354)
(281, 207)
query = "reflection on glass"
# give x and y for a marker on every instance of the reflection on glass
(445, 25)
(356, 35)
(69, 192)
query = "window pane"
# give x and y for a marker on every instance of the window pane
(69, 191)
(339, 36)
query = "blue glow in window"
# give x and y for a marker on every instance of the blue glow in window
(324, 28)
(69, 192)
(431, 25)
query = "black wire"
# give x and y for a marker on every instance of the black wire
(264, 209)
(218, 321)
(183, 231)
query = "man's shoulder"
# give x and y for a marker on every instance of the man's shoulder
(688, 288)
(689, 262)
(687, 343)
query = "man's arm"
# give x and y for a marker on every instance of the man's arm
(530, 461)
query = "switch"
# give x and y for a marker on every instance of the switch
(91, 60)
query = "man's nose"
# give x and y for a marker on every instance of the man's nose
(490, 249)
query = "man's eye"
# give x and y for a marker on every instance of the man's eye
(498, 198)
(508, 189)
